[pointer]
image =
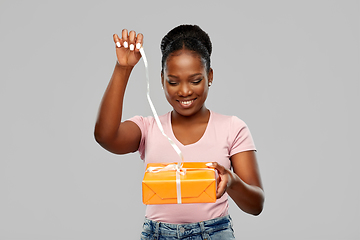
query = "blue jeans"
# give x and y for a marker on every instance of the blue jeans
(214, 229)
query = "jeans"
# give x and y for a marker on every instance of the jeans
(214, 229)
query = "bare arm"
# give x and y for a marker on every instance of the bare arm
(244, 184)
(112, 134)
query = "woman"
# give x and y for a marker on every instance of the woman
(202, 135)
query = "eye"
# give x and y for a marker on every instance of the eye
(197, 81)
(172, 83)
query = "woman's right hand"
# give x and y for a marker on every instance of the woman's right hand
(112, 134)
(128, 48)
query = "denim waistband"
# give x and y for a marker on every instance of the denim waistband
(184, 230)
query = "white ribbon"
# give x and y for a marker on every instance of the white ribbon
(168, 167)
(176, 148)
(179, 171)
(171, 167)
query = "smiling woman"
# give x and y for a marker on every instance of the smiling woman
(186, 84)
(201, 134)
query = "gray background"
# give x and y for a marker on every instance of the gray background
(289, 69)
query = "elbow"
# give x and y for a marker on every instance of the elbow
(252, 204)
(257, 211)
(252, 207)
(259, 207)
(255, 205)
(108, 141)
(98, 139)
(101, 137)
(105, 142)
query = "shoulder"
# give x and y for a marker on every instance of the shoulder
(237, 133)
(141, 119)
(228, 120)
(149, 120)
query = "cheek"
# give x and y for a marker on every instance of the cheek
(168, 92)
(200, 89)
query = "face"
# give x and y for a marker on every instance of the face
(186, 82)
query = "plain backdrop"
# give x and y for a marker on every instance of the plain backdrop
(289, 69)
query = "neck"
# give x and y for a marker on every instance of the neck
(201, 116)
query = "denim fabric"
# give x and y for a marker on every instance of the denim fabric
(214, 229)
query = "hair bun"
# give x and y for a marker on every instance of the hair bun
(187, 31)
(190, 37)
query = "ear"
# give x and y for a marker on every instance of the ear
(210, 76)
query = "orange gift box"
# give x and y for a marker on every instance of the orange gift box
(193, 183)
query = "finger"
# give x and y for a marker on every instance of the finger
(139, 41)
(218, 167)
(132, 36)
(222, 186)
(222, 180)
(117, 40)
(125, 37)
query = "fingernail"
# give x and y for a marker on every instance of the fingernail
(118, 44)
(132, 47)
(138, 45)
(209, 164)
(126, 44)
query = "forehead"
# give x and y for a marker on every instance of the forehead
(184, 61)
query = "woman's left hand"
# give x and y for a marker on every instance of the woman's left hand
(224, 180)
(243, 184)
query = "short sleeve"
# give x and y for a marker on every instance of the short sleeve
(240, 139)
(143, 124)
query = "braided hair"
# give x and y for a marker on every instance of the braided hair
(190, 37)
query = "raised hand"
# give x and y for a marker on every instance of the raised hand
(128, 48)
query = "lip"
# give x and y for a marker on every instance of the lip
(186, 103)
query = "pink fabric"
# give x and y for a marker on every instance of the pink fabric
(223, 137)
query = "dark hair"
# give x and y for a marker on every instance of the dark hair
(190, 37)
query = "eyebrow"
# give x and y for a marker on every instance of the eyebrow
(193, 75)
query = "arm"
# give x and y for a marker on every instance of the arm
(243, 184)
(112, 134)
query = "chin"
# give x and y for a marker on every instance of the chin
(187, 112)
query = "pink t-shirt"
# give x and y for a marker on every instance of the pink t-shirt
(224, 136)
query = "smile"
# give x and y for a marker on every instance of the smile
(187, 103)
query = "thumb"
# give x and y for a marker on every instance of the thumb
(217, 166)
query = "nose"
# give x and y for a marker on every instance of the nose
(184, 90)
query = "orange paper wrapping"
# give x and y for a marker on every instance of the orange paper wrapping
(197, 184)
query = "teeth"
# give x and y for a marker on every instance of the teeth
(186, 102)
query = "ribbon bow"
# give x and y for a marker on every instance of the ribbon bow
(171, 167)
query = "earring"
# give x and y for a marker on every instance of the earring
(210, 84)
